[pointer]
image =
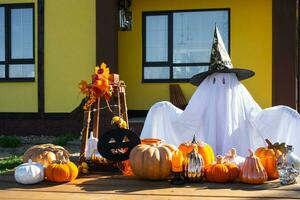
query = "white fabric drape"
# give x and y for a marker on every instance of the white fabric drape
(223, 113)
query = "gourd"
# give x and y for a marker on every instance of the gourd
(268, 157)
(152, 161)
(44, 153)
(204, 149)
(29, 173)
(194, 166)
(221, 171)
(232, 157)
(61, 170)
(253, 172)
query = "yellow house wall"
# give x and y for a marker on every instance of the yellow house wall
(251, 47)
(69, 57)
(70, 51)
(19, 96)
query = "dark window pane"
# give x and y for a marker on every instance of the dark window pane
(156, 72)
(187, 72)
(22, 33)
(193, 35)
(2, 71)
(21, 71)
(156, 38)
(2, 35)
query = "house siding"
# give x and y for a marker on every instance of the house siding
(251, 47)
(70, 54)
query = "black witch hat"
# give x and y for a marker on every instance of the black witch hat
(220, 62)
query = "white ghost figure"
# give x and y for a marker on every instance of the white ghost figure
(91, 146)
(223, 113)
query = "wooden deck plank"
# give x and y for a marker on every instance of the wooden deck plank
(112, 186)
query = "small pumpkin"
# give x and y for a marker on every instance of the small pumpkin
(232, 157)
(253, 172)
(194, 166)
(221, 171)
(152, 161)
(203, 148)
(268, 157)
(29, 173)
(61, 170)
(44, 153)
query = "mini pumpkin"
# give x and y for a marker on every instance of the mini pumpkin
(253, 172)
(221, 171)
(203, 148)
(152, 161)
(268, 157)
(29, 173)
(44, 153)
(61, 170)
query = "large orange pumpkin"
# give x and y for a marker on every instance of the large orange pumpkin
(204, 149)
(268, 157)
(61, 171)
(221, 172)
(152, 161)
(253, 172)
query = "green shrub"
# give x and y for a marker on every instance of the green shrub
(64, 139)
(9, 163)
(10, 141)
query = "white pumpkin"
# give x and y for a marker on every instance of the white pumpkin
(29, 173)
(234, 158)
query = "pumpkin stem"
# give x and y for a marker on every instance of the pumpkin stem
(220, 159)
(270, 145)
(251, 152)
(194, 139)
(233, 152)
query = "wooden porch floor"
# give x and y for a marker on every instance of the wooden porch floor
(114, 186)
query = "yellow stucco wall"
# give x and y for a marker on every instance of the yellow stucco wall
(251, 47)
(69, 57)
(70, 51)
(19, 96)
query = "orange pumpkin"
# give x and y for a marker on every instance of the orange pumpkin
(61, 171)
(204, 149)
(152, 161)
(221, 172)
(268, 157)
(253, 172)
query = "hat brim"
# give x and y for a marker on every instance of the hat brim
(241, 74)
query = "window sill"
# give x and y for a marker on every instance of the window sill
(17, 79)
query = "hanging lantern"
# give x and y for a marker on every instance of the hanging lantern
(125, 15)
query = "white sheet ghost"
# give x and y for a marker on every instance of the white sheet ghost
(223, 113)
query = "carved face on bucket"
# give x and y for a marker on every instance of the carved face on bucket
(117, 143)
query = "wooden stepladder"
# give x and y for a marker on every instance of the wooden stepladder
(92, 115)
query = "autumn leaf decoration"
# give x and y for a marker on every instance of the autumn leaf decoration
(101, 86)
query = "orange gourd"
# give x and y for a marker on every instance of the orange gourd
(203, 148)
(221, 172)
(268, 157)
(253, 172)
(61, 171)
